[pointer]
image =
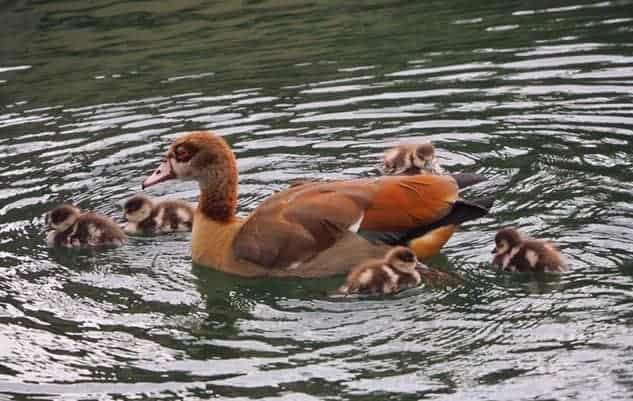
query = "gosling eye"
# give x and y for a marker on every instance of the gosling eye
(407, 257)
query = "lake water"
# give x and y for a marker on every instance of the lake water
(536, 95)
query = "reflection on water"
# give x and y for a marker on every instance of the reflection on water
(535, 96)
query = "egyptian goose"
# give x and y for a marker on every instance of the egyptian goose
(72, 228)
(145, 216)
(396, 272)
(309, 230)
(411, 159)
(513, 252)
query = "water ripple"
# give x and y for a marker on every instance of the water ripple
(537, 99)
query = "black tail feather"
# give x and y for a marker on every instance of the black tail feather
(462, 211)
(465, 180)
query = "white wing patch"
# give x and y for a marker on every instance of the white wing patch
(507, 258)
(50, 238)
(183, 215)
(294, 265)
(393, 277)
(130, 227)
(435, 167)
(417, 277)
(391, 154)
(160, 218)
(365, 277)
(532, 257)
(354, 227)
(94, 231)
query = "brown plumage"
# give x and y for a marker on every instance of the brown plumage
(307, 230)
(513, 252)
(145, 216)
(411, 159)
(60, 221)
(395, 272)
(71, 228)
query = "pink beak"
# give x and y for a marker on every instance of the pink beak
(164, 172)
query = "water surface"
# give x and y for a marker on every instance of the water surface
(535, 95)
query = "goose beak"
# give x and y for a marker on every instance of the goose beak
(164, 172)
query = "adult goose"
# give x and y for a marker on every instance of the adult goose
(312, 230)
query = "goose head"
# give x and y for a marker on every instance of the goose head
(196, 156)
(207, 159)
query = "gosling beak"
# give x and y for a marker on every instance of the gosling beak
(164, 172)
(494, 251)
(400, 171)
(421, 266)
(393, 171)
(47, 222)
(385, 170)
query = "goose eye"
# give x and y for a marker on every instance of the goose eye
(184, 153)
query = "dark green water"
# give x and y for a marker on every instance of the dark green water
(537, 95)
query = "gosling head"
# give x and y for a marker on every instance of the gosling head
(137, 208)
(424, 154)
(62, 217)
(409, 159)
(402, 259)
(506, 239)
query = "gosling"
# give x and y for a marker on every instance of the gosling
(515, 253)
(396, 272)
(412, 160)
(147, 217)
(71, 228)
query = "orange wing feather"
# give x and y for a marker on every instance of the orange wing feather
(405, 202)
(298, 223)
